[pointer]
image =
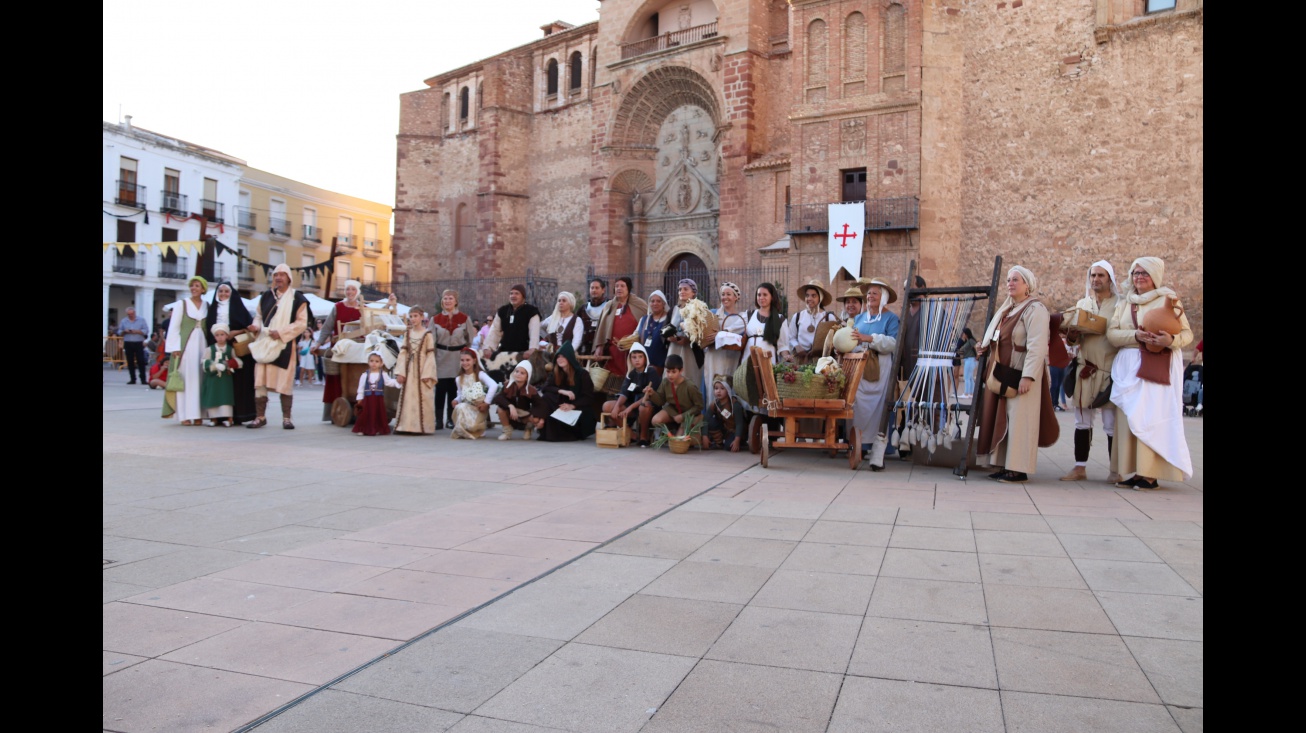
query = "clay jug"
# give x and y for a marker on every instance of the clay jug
(1165, 319)
(845, 339)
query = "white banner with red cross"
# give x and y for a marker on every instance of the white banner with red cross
(847, 230)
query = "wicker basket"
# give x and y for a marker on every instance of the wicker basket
(729, 347)
(812, 388)
(680, 445)
(625, 342)
(599, 376)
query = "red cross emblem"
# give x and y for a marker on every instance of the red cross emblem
(845, 235)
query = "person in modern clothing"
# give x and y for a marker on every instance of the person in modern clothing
(1150, 441)
(968, 362)
(186, 344)
(417, 374)
(134, 331)
(1012, 429)
(677, 397)
(1096, 357)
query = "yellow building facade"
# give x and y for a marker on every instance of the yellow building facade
(283, 220)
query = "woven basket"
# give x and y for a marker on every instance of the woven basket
(729, 347)
(679, 445)
(599, 376)
(809, 389)
(625, 342)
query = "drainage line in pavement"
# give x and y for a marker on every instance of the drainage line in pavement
(302, 698)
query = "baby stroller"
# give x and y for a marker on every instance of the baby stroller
(1193, 391)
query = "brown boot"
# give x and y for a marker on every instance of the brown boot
(1076, 474)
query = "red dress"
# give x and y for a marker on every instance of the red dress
(344, 314)
(372, 418)
(622, 325)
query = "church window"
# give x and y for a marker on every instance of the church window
(577, 69)
(816, 53)
(895, 49)
(464, 103)
(1155, 5)
(551, 78)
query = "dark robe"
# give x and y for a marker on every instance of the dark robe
(555, 431)
(242, 408)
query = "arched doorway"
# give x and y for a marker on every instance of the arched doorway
(687, 265)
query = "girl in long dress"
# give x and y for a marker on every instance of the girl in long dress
(1149, 440)
(514, 402)
(471, 406)
(186, 343)
(416, 374)
(692, 355)
(372, 416)
(217, 390)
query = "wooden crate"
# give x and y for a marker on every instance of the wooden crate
(607, 436)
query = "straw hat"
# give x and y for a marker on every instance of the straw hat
(852, 292)
(865, 284)
(814, 283)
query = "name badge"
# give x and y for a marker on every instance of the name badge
(648, 342)
(725, 413)
(631, 388)
(511, 319)
(619, 310)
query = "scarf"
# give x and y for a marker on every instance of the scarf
(1009, 306)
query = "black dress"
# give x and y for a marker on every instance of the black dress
(554, 430)
(523, 400)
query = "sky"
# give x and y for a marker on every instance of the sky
(304, 89)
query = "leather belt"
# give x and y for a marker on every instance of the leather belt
(442, 347)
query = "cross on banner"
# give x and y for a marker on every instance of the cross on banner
(845, 222)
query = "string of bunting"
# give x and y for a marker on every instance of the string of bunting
(316, 270)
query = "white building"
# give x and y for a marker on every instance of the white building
(153, 184)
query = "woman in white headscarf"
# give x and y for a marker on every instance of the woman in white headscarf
(679, 343)
(650, 329)
(563, 325)
(341, 383)
(1148, 386)
(877, 332)
(732, 317)
(1013, 428)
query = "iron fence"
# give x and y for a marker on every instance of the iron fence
(668, 40)
(477, 297)
(881, 215)
(709, 281)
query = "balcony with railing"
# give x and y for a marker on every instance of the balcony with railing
(246, 219)
(279, 228)
(244, 273)
(346, 243)
(212, 210)
(372, 247)
(128, 264)
(668, 40)
(881, 215)
(130, 194)
(312, 234)
(177, 270)
(172, 202)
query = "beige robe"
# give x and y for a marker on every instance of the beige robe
(274, 378)
(1133, 455)
(638, 307)
(416, 364)
(1017, 450)
(1097, 350)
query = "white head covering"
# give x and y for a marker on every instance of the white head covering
(357, 285)
(1155, 267)
(555, 318)
(530, 371)
(637, 346)
(1111, 273)
(220, 326)
(378, 353)
(1010, 302)
(725, 382)
(661, 295)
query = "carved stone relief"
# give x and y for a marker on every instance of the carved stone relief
(854, 136)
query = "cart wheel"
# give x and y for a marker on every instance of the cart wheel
(765, 443)
(755, 434)
(854, 448)
(342, 413)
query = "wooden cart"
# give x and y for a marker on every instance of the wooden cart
(791, 410)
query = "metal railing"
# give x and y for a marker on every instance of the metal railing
(477, 297)
(178, 270)
(668, 40)
(244, 272)
(372, 244)
(246, 219)
(130, 194)
(346, 243)
(881, 214)
(312, 233)
(129, 265)
(172, 202)
(280, 227)
(212, 210)
(709, 282)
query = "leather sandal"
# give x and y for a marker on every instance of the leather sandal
(258, 422)
(286, 424)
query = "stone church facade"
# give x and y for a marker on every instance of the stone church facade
(1053, 133)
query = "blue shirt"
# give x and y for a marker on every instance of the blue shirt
(868, 324)
(651, 337)
(137, 324)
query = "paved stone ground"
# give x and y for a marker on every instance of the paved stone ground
(246, 570)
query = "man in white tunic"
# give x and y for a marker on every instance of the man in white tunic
(803, 324)
(281, 316)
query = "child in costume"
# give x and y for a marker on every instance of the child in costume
(217, 387)
(631, 404)
(725, 418)
(372, 418)
(676, 396)
(515, 401)
(475, 391)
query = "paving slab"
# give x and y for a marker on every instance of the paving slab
(1050, 609)
(147, 631)
(282, 652)
(781, 637)
(928, 600)
(720, 696)
(707, 581)
(1159, 616)
(1173, 667)
(807, 590)
(662, 625)
(657, 543)
(892, 706)
(540, 610)
(925, 651)
(158, 695)
(1133, 577)
(831, 558)
(333, 711)
(757, 553)
(1030, 713)
(1066, 663)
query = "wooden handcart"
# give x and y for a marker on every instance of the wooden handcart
(792, 410)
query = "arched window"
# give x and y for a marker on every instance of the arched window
(464, 103)
(895, 48)
(854, 47)
(816, 53)
(577, 69)
(551, 75)
(460, 223)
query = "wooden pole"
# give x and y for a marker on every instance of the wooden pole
(331, 273)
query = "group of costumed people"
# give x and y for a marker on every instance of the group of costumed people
(1130, 376)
